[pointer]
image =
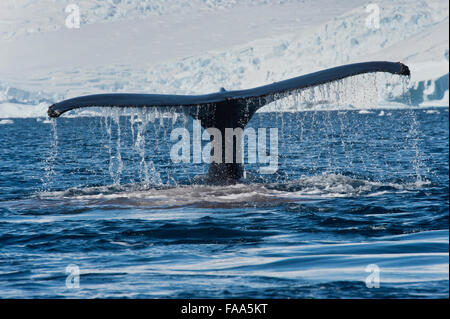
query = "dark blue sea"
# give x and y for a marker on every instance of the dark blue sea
(94, 207)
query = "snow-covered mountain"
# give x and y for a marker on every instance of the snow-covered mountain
(198, 46)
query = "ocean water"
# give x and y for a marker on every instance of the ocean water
(93, 207)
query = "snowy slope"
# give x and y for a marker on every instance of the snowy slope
(200, 46)
(26, 17)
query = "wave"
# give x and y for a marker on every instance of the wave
(239, 195)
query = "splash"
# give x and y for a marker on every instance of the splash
(127, 134)
(111, 117)
(333, 138)
(413, 137)
(363, 92)
(49, 162)
(148, 174)
(338, 132)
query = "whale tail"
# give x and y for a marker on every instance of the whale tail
(227, 109)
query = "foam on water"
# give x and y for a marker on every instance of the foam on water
(239, 195)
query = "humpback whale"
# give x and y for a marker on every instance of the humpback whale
(227, 109)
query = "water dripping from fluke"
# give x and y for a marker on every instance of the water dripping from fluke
(49, 162)
(352, 84)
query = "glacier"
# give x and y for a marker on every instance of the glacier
(199, 46)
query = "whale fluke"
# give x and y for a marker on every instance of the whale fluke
(227, 109)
